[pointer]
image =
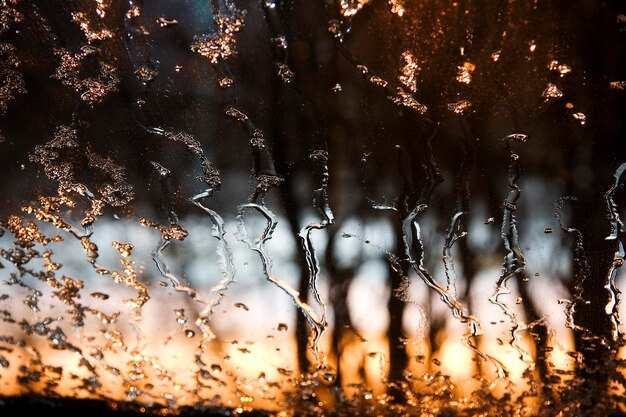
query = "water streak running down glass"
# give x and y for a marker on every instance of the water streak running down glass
(347, 208)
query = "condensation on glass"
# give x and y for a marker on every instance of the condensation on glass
(358, 207)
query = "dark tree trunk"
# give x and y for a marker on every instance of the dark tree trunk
(398, 359)
(594, 337)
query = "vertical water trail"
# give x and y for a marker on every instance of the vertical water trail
(317, 323)
(414, 250)
(616, 224)
(617, 229)
(580, 259)
(612, 306)
(410, 225)
(319, 155)
(176, 232)
(265, 174)
(224, 252)
(321, 203)
(453, 234)
(514, 263)
(456, 228)
(211, 177)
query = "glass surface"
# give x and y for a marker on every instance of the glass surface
(359, 207)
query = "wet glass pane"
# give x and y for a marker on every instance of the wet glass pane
(352, 207)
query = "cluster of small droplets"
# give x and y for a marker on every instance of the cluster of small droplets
(402, 98)
(349, 8)
(210, 174)
(101, 6)
(115, 191)
(92, 90)
(173, 231)
(27, 232)
(257, 141)
(408, 71)
(12, 81)
(552, 91)
(222, 44)
(267, 182)
(85, 25)
(560, 68)
(146, 74)
(397, 7)
(284, 72)
(464, 72)
(460, 107)
(236, 114)
(618, 85)
(8, 15)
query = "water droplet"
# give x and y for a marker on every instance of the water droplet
(464, 72)
(180, 316)
(282, 327)
(284, 72)
(459, 107)
(284, 371)
(328, 376)
(560, 68)
(547, 230)
(580, 117)
(552, 91)
(125, 249)
(362, 69)
(236, 114)
(397, 7)
(226, 82)
(165, 22)
(402, 98)
(563, 69)
(146, 74)
(334, 28)
(242, 306)
(100, 295)
(189, 333)
(216, 369)
(378, 81)
(349, 8)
